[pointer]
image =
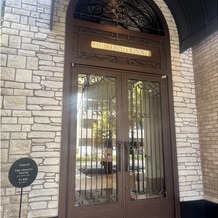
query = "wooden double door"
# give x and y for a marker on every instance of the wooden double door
(120, 149)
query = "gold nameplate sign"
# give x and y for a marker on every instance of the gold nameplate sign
(119, 48)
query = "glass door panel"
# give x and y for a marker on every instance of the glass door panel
(146, 167)
(96, 153)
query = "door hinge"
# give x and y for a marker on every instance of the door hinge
(72, 64)
(164, 76)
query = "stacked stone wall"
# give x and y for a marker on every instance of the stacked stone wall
(205, 61)
(187, 138)
(32, 72)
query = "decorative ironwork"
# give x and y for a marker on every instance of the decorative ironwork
(136, 15)
(144, 63)
(145, 142)
(96, 167)
(98, 57)
(98, 33)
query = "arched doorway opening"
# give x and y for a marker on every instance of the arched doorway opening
(116, 158)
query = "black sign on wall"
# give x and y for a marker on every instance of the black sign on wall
(23, 172)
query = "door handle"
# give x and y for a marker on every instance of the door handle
(120, 146)
(127, 147)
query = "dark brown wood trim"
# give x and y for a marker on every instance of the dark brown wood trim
(64, 154)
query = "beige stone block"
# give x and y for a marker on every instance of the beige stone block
(52, 84)
(4, 180)
(14, 102)
(36, 79)
(25, 120)
(42, 101)
(41, 213)
(193, 178)
(35, 134)
(32, 63)
(50, 154)
(189, 129)
(183, 110)
(44, 127)
(190, 193)
(42, 120)
(16, 199)
(6, 91)
(15, 42)
(12, 210)
(20, 146)
(58, 75)
(23, 75)
(53, 145)
(34, 107)
(14, 85)
(47, 113)
(51, 161)
(26, 53)
(27, 40)
(18, 135)
(38, 205)
(187, 160)
(57, 139)
(20, 26)
(33, 86)
(7, 73)
(4, 143)
(10, 191)
(9, 120)
(1, 101)
(23, 92)
(26, 128)
(43, 93)
(4, 60)
(38, 148)
(16, 61)
(52, 204)
(30, 47)
(40, 35)
(4, 155)
(21, 113)
(49, 45)
(56, 120)
(5, 200)
(5, 135)
(46, 63)
(43, 192)
(10, 128)
(42, 73)
(55, 108)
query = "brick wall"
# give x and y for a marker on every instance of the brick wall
(32, 71)
(205, 62)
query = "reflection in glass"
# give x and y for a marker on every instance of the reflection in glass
(96, 179)
(145, 141)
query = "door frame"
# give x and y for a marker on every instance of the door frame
(166, 144)
(122, 206)
(69, 62)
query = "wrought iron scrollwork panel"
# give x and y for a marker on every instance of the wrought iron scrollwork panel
(148, 64)
(96, 152)
(136, 15)
(146, 165)
(98, 57)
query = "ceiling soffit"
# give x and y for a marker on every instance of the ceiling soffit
(195, 20)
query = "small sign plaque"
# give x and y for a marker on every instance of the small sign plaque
(119, 48)
(23, 172)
